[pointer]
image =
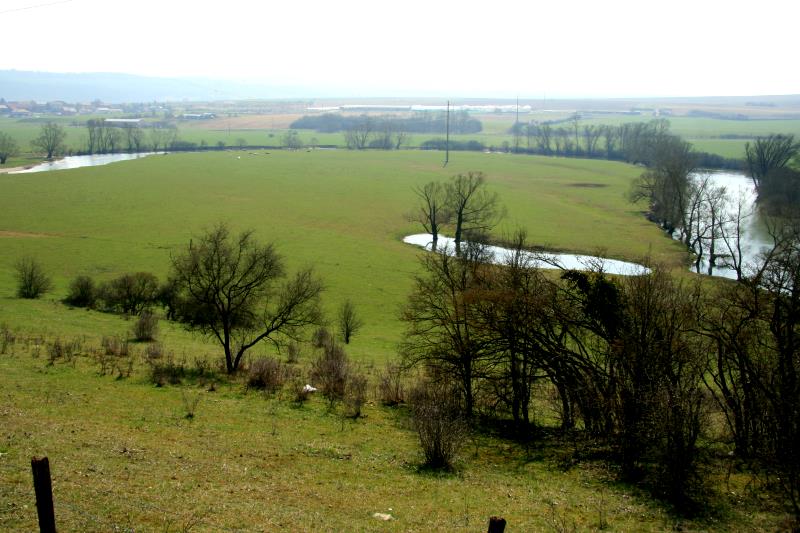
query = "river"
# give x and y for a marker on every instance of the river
(78, 161)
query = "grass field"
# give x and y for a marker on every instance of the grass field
(125, 457)
(343, 212)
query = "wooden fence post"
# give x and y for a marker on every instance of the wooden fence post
(44, 494)
(496, 524)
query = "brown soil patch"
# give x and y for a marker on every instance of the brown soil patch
(13, 169)
(587, 185)
(23, 234)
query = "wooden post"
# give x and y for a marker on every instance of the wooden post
(496, 524)
(44, 494)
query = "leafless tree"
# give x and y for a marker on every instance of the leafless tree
(768, 154)
(8, 147)
(357, 136)
(473, 208)
(432, 211)
(229, 291)
(162, 138)
(442, 328)
(349, 321)
(135, 138)
(50, 140)
(591, 134)
(610, 134)
(545, 138)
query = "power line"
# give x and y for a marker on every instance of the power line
(34, 7)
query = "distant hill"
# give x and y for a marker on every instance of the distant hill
(110, 87)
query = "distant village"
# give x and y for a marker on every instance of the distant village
(30, 109)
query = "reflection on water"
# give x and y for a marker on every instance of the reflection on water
(499, 255)
(78, 161)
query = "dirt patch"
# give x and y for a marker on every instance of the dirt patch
(23, 234)
(587, 185)
(13, 169)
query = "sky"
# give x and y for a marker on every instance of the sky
(530, 49)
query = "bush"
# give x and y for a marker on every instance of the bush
(130, 293)
(266, 374)
(390, 385)
(321, 338)
(82, 292)
(355, 394)
(146, 326)
(439, 424)
(293, 353)
(330, 371)
(166, 371)
(32, 282)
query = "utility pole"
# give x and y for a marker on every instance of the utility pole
(517, 132)
(447, 137)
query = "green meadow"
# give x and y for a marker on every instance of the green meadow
(124, 454)
(342, 212)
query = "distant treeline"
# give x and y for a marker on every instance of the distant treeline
(460, 122)
(632, 142)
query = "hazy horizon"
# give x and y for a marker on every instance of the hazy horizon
(617, 49)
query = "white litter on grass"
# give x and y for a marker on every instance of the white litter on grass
(309, 388)
(383, 516)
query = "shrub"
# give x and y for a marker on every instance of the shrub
(82, 292)
(166, 371)
(321, 338)
(115, 346)
(330, 370)
(266, 374)
(32, 282)
(437, 418)
(293, 353)
(154, 351)
(130, 293)
(7, 338)
(298, 389)
(390, 385)
(146, 326)
(348, 320)
(355, 394)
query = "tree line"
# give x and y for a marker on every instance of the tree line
(631, 142)
(422, 122)
(706, 217)
(636, 364)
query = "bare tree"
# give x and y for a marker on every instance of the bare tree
(162, 138)
(768, 154)
(545, 137)
(442, 327)
(610, 134)
(358, 134)
(432, 211)
(591, 134)
(228, 290)
(349, 321)
(473, 208)
(8, 147)
(50, 140)
(135, 138)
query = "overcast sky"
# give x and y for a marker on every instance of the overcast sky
(529, 48)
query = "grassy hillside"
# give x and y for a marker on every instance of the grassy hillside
(124, 455)
(342, 212)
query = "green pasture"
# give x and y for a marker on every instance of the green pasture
(124, 455)
(343, 212)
